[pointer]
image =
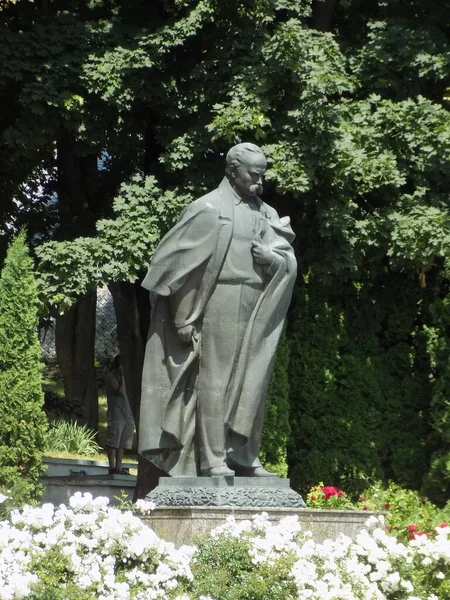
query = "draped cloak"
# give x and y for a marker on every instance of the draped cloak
(184, 273)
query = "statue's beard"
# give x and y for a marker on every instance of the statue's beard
(255, 189)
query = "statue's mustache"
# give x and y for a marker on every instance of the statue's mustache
(256, 188)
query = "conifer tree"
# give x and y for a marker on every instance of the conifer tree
(23, 423)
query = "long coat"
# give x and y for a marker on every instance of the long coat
(184, 273)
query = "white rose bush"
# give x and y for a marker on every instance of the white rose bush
(89, 550)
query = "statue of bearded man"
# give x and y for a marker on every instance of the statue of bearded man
(223, 277)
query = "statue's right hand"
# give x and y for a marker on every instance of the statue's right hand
(186, 333)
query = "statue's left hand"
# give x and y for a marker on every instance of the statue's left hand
(262, 255)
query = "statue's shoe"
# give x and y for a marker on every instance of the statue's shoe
(262, 472)
(222, 471)
(255, 472)
(242, 471)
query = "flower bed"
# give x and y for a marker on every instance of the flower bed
(408, 514)
(89, 551)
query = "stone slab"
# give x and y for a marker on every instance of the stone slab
(58, 490)
(183, 525)
(58, 467)
(225, 482)
(245, 492)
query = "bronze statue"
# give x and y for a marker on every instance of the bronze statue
(223, 277)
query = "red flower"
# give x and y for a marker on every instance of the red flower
(443, 525)
(387, 527)
(313, 497)
(412, 528)
(387, 506)
(362, 499)
(365, 507)
(340, 494)
(421, 533)
(330, 490)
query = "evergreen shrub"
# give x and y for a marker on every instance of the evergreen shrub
(23, 424)
(360, 384)
(276, 429)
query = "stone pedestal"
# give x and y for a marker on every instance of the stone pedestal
(183, 525)
(187, 507)
(58, 490)
(245, 492)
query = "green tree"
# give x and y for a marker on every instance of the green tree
(23, 425)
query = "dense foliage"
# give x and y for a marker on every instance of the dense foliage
(23, 424)
(67, 436)
(276, 424)
(353, 115)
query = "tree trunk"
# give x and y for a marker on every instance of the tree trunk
(75, 343)
(323, 14)
(73, 201)
(147, 479)
(132, 308)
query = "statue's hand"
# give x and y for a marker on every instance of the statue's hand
(186, 333)
(262, 255)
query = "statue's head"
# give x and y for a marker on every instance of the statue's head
(245, 168)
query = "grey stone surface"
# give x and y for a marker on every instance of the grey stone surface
(244, 492)
(58, 467)
(58, 490)
(227, 482)
(182, 525)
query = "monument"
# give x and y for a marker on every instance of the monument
(223, 278)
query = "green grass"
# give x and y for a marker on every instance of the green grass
(68, 436)
(102, 457)
(54, 385)
(56, 454)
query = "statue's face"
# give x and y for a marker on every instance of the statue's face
(247, 179)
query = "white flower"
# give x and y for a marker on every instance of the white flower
(96, 540)
(391, 582)
(144, 506)
(407, 585)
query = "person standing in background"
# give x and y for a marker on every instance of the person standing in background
(120, 422)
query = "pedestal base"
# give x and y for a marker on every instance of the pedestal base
(245, 492)
(183, 525)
